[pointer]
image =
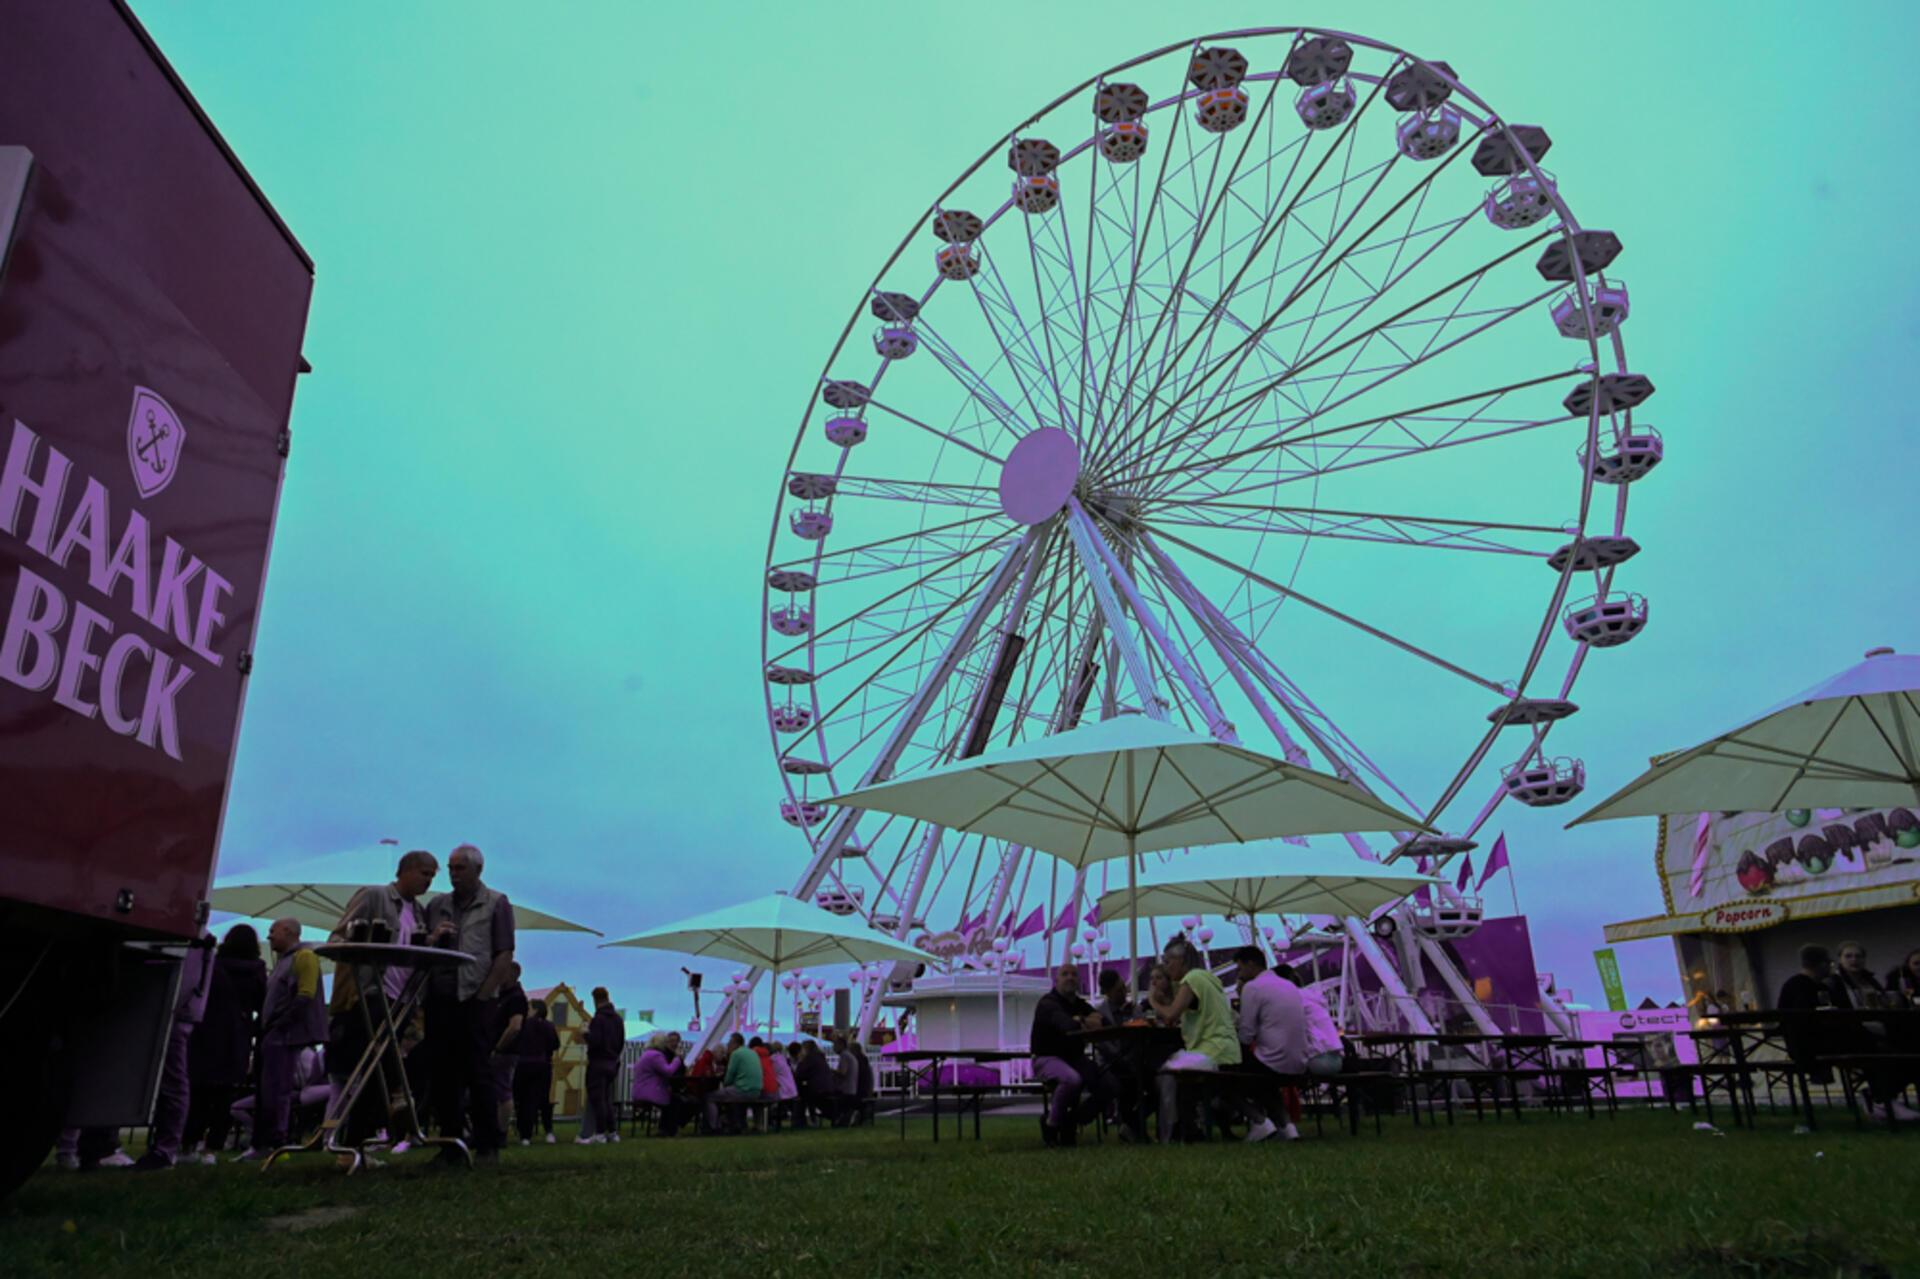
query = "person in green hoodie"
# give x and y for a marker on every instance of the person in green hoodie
(742, 1082)
(1197, 1003)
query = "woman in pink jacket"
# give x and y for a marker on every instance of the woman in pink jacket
(654, 1076)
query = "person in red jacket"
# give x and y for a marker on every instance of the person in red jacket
(769, 1081)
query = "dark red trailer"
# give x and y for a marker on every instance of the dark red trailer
(152, 306)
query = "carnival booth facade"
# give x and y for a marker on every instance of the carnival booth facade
(1744, 891)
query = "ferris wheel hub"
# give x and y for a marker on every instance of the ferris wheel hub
(1039, 475)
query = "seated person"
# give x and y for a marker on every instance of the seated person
(1326, 1051)
(846, 1079)
(741, 1083)
(1853, 984)
(1905, 980)
(786, 1088)
(1198, 1003)
(1808, 1038)
(1272, 1030)
(1116, 1006)
(1061, 1060)
(654, 1076)
(819, 1087)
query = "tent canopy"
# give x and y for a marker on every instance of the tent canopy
(316, 890)
(776, 932)
(1852, 741)
(1269, 878)
(1129, 784)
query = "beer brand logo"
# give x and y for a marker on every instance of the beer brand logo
(155, 439)
(1743, 917)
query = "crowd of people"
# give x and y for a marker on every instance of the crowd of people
(726, 1084)
(1276, 1028)
(259, 1049)
(254, 1046)
(1820, 984)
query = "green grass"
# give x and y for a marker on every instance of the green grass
(1642, 1194)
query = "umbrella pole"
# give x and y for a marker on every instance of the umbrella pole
(1133, 920)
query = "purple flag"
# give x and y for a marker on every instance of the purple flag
(1092, 916)
(1063, 920)
(1423, 895)
(1496, 861)
(1466, 873)
(1031, 924)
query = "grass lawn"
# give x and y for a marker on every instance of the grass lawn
(1641, 1194)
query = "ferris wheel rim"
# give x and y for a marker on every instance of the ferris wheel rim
(1567, 227)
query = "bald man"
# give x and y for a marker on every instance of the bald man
(294, 1017)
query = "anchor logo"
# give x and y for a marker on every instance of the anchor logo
(155, 439)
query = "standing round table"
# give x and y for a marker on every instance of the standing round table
(383, 1047)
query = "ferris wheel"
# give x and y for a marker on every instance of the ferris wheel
(1265, 383)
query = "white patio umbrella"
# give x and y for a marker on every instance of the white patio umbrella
(1850, 742)
(1126, 786)
(316, 890)
(1268, 878)
(776, 932)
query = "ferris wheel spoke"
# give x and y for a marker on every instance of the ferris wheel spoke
(813, 639)
(1273, 224)
(1042, 368)
(1252, 399)
(1139, 239)
(1045, 307)
(993, 582)
(933, 430)
(1200, 464)
(981, 497)
(1294, 371)
(849, 552)
(1405, 646)
(1241, 650)
(1353, 308)
(1426, 531)
(977, 388)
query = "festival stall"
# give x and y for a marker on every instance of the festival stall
(1744, 891)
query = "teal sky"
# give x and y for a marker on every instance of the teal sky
(577, 272)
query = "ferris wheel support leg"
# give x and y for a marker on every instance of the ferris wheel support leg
(1562, 1021)
(1183, 591)
(828, 849)
(1390, 979)
(1237, 651)
(1025, 556)
(1086, 540)
(1183, 671)
(1093, 558)
(1436, 955)
(1002, 885)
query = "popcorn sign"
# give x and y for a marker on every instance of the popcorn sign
(124, 650)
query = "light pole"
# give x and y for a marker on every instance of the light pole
(997, 961)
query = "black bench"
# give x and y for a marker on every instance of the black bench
(765, 1109)
(1854, 1069)
(1208, 1084)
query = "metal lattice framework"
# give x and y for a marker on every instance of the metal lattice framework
(1352, 428)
